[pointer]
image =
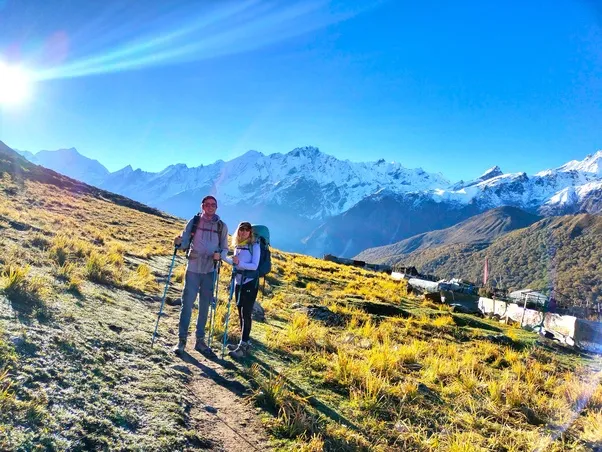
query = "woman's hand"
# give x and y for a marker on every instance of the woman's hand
(235, 260)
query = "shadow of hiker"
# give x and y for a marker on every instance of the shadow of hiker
(232, 385)
(313, 401)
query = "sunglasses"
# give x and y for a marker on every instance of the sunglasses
(210, 204)
(244, 228)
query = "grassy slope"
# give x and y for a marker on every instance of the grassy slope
(79, 373)
(424, 379)
(395, 374)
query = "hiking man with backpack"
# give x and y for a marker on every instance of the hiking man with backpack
(206, 239)
(246, 259)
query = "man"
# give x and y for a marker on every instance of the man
(207, 243)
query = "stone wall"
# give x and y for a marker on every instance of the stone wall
(565, 325)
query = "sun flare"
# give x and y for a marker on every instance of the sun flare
(15, 84)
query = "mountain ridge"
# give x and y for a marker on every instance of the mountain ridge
(310, 197)
(481, 228)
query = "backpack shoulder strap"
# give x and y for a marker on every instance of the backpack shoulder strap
(195, 225)
(220, 229)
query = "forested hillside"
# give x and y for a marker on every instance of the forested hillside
(482, 229)
(559, 253)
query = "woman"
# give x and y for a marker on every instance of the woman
(245, 260)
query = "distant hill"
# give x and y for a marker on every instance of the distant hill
(483, 228)
(563, 254)
(70, 163)
(388, 216)
(16, 164)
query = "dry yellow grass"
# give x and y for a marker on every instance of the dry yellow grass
(404, 382)
(395, 368)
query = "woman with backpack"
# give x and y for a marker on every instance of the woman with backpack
(245, 260)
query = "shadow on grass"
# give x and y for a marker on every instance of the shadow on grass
(316, 403)
(28, 306)
(468, 320)
(279, 354)
(382, 309)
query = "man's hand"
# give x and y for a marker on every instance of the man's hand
(235, 260)
(177, 241)
(216, 256)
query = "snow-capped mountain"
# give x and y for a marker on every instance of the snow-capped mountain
(316, 184)
(335, 206)
(551, 191)
(571, 188)
(70, 163)
(294, 192)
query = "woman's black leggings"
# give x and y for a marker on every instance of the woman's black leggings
(245, 307)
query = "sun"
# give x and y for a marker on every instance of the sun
(15, 84)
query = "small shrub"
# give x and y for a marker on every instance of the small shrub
(97, 269)
(443, 321)
(179, 273)
(115, 258)
(14, 280)
(7, 396)
(315, 444)
(59, 255)
(295, 420)
(270, 391)
(411, 352)
(383, 358)
(65, 271)
(142, 280)
(303, 333)
(405, 390)
(371, 392)
(69, 274)
(345, 369)
(591, 425)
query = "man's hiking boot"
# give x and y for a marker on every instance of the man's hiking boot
(241, 351)
(202, 347)
(180, 348)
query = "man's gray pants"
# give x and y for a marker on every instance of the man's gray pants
(196, 283)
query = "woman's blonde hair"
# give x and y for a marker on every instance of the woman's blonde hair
(251, 238)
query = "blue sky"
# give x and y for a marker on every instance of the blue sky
(452, 87)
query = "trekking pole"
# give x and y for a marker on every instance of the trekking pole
(173, 259)
(232, 284)
(216, 270)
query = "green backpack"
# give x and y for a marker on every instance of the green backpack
(262, 236)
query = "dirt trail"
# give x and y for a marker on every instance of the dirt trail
(222, 413)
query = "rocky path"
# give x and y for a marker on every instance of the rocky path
(223, 412)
